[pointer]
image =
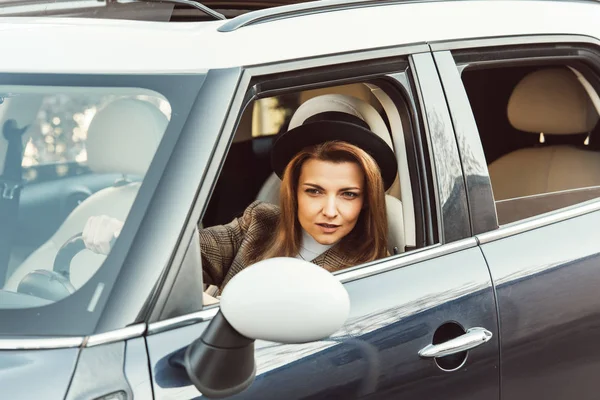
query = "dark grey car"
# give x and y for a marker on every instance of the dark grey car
(490, 289)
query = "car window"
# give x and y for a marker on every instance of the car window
(100, 142)
(247, 177)
(539, 129)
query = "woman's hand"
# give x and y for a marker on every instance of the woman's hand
(99, 231)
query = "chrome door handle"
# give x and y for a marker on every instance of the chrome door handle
(473, 338)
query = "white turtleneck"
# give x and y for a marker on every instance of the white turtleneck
(310, 248)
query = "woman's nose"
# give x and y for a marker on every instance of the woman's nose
(330, 207)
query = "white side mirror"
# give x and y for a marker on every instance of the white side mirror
(285, 300)
(282, 300)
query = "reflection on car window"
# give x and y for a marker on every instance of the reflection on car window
(57, 144)
(109, 137)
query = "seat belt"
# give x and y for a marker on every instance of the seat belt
(10, 189)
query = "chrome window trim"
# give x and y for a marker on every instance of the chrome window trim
(352, 274)
(41, 343)
(116, 336)
(48, 343)
(540, 195)
(403, 260)
(539, 221)
(184, 320)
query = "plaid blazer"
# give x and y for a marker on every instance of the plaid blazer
(226, 248)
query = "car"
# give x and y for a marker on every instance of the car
(163, 114)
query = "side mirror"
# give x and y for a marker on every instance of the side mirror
(283, 300)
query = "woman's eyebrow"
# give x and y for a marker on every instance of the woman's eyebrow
(313, 185)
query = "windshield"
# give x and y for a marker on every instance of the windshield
(83, 152)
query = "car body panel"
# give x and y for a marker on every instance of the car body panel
(37, 374)
(198, 47)
(393, 315)
(99, 372)
(482, 210)
(545, 268)
(547, 283)
(450, 186)
(137, 368)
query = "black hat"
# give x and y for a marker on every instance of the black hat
(336, 117)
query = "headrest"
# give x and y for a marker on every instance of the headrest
(123, 137)
(551, 101)
(336, 117)
(346, 104)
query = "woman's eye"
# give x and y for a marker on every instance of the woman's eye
(312, 191)
(350, 195)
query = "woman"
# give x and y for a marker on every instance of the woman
(334, 173)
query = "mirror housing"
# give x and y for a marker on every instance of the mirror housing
(221, 362)
(282, 300)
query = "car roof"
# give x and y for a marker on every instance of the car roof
(82, 45)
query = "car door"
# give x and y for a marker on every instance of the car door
(400, 306)
(545, 267)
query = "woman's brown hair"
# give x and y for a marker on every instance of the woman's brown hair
(368, 239)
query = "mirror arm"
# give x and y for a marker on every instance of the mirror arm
(221, 362)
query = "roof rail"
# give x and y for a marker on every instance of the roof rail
(297, 10)
(194, 4)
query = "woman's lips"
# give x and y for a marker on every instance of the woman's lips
(328, 228)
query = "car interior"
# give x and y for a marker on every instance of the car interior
(121, 129)
(540, 134)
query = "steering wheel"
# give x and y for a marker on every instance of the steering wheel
(62, 261)
(55, 284)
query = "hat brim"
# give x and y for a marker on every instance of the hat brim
(296, 139)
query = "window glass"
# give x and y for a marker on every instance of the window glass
(540, 134)
(58, 134)
(109, 135)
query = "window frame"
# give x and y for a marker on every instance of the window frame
(454, 56)
(349, 68)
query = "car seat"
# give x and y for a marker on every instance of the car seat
(551, 101)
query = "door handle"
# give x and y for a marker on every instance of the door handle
(472, 338)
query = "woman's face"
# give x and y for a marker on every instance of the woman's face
(330, 198)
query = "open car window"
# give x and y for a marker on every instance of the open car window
(247, 175)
